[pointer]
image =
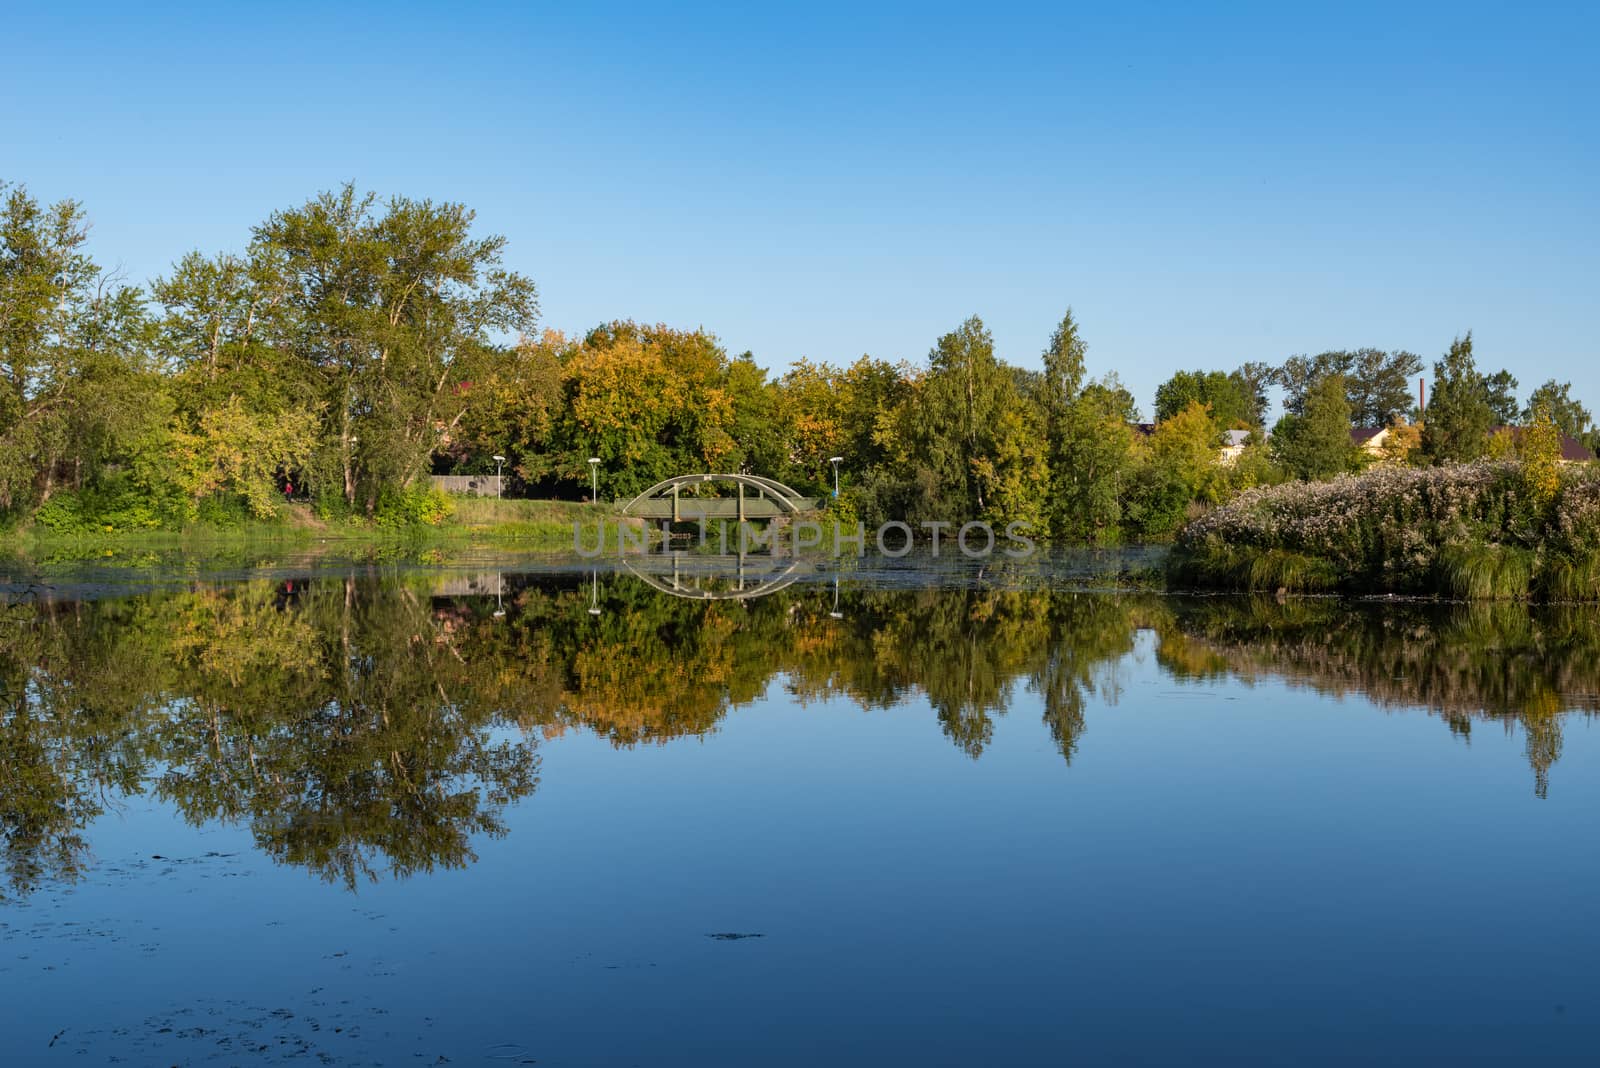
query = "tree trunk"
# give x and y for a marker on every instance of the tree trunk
(344, 451)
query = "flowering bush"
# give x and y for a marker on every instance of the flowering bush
(1474, 530)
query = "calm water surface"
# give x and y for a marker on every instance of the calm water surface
(385, 814)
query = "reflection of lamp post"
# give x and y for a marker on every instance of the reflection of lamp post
(499, 609)
(836, 461)
(594, 478)
(594, 596)
(836, 614)
(498, 460)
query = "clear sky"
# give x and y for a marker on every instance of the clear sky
(1203, 187)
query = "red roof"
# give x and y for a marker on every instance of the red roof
(1572, 449)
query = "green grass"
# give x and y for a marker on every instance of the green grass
(1254, 570)
(1485, 572)
(1567, 577)
(539, 525)
(527, 524)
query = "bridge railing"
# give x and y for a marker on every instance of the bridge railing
(665, 499)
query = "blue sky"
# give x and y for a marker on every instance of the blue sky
(1203, 187)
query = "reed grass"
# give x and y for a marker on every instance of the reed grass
(1478, 531)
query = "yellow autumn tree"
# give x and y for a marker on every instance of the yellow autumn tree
(1541, 458)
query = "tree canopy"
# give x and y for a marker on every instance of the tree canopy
(355, 345)
(1459, 413)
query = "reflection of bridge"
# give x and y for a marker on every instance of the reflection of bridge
(665, 500)
(741, 583)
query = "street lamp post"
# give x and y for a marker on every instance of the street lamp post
(594, 479)
(498, 460)
(836, 461)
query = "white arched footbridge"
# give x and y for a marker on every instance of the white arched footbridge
(667, 499)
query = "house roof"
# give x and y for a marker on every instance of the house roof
(1572, 450)
(1235, 437)
(1575, 450)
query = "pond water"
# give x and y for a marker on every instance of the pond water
(500, 812)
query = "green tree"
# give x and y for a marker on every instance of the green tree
(1013, 477)
(1316, 443)
(1064, 366)
(1459, 415)
(1255, 378)
(1501, 390)
(513, 410)
(1109, 392)
(1299, 374)
(755, 421)
(392, 310)
(1173, 469)
(1568, 413)
(223, 333)
(1094, 458)
(232, 450)
(965, 392)
(1379, 385)
(1232, 398)
(1090, 443)
(75, 381)
(1187, 444)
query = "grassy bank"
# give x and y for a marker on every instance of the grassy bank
(1476, 531)
(538, 525)
(529, 524)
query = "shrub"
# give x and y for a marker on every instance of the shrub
(1482, 530)
(223, 510)
(416, 506)
(112, 505)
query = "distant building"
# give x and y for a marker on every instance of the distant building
(1369, 440)
(1573, 451)
(1233, 443)
(1375, 441)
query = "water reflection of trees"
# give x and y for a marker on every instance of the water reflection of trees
(1502, 662)
(337, 720)
(361, 726)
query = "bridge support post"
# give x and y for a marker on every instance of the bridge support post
(741, 502)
